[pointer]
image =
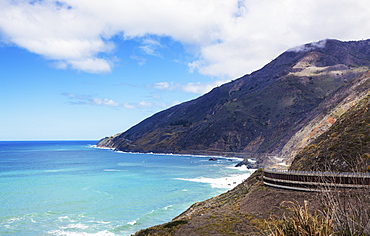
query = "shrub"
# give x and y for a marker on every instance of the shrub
(300, 222)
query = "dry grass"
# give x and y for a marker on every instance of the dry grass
(350, 211)
(300, 222)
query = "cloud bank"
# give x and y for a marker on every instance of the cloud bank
(229, 37)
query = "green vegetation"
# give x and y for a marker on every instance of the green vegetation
(183, 123)
(175, 223)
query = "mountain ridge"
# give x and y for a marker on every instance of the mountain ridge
(258, 114)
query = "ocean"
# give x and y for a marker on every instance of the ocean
(73, 188)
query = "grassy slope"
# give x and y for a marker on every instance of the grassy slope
(240, 211)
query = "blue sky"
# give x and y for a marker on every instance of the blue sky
(86, 69)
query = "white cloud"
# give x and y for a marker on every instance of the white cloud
(140, 60)
(201, 88)
(127, 105)
(104, 102)
(59, 65)
(145, 104)
(89, 100)
(309, 46)
(197, 88)
(56, 32)
(150, 47)
(165, 86)
(91, 65)
(234, 37)
(82, 99)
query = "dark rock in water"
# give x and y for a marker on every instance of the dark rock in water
(247, 164)
(212, 159)
(242, 163)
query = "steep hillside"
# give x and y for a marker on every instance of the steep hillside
(344, 147)
(357, 90)
(259, 113)
(242, 210)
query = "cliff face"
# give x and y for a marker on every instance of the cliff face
(345, 147)
(260, 113)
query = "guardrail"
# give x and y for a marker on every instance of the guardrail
(315, 181)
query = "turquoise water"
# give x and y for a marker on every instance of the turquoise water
(71, 188)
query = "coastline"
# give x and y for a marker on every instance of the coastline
(226, 182)
(95, 191)
(170, 154)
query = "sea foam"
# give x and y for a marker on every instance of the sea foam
(228, 182)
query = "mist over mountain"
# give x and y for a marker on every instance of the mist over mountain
(268, 114)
